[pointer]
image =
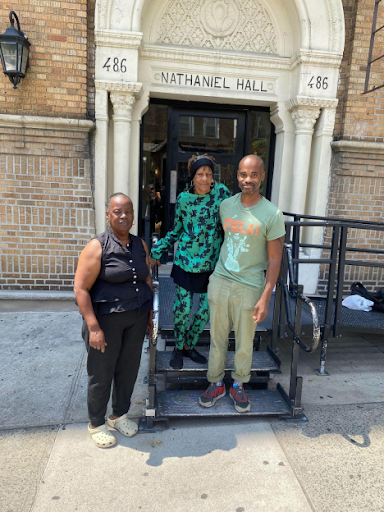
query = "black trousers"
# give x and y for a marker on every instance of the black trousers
(124, 334)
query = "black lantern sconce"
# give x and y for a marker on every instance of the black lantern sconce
(14, 51)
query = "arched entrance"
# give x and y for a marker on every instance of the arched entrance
(280, 56)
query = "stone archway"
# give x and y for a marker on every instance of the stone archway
(315, 24)
(298, 55)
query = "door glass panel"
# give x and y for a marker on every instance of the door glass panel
(154, 165)
(259, 140)
(207, 134)
(224, 174)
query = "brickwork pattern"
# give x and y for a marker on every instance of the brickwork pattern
(359, 116)
(56, 83)
(46, 208)
(357, 179)
(91, 52)
(357, 192)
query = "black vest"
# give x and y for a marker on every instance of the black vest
(120, 285)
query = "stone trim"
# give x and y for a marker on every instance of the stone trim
(303, 57)
(305, 101)
(317, 58)
(356, 146)
(118, 39)
(133, 87)
(199, 55)
(46, 123)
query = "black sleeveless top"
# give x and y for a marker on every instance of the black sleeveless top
(120, 285)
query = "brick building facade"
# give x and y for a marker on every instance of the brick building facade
(62, 131)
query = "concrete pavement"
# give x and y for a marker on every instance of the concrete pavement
(332, 463)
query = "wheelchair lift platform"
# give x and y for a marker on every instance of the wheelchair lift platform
(175, 393)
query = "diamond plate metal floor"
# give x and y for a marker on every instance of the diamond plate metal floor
(261, 361)
(173, 404)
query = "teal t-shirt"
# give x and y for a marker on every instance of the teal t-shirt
(244, 256)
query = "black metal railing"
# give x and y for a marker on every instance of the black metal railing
(337, 261)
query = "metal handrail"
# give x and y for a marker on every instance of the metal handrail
(155, 317)
(293, 326)
(331, 219)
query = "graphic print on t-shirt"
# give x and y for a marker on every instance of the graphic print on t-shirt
(235, 243)
(244, 255)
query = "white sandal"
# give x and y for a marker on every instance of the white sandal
(124, 425)
(101, 436)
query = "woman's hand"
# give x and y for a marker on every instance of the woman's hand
(149, 324)
(154, 262)
(97, 340)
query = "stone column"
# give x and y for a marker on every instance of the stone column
(122, 117)
(282, 172)
(101, 156)
(304, 119)
(318, 185)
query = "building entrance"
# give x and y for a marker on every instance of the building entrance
(172, 133)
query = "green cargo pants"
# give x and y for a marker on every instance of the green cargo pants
(231, 305)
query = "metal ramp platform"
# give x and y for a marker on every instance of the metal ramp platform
(261, 362)
(175, 393)
(185, 403)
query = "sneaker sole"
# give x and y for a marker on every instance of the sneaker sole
(213, 401)
(239, 409)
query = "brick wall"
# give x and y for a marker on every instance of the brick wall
(357, 192)
(46, 212)
(57, 76)
(91, 54)
(357, 178)
(360, 116)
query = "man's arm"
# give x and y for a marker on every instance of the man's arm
(275, 252)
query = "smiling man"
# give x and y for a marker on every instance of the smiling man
(239, 290)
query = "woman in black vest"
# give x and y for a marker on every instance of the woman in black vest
(113, 290)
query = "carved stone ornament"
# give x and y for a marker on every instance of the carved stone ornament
(122, 105)
(219, 17)
(305, 118)
(244, 25)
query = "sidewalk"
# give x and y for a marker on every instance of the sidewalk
(332, 463)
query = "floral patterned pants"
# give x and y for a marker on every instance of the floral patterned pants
(185, 333)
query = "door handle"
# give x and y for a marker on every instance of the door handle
(173, 191)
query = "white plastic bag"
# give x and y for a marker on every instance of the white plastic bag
(357, 302)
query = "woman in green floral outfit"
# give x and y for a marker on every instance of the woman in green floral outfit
(197, 229)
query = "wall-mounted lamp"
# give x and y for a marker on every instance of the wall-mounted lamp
(14, 51)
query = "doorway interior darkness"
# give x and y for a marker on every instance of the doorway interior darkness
(171, 132)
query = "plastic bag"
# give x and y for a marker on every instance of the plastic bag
(357, 302)
(377, 297)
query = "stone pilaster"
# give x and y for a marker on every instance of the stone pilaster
(304, 118)
(101, 158)
(123, 103)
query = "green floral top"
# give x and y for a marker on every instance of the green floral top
(198, 230)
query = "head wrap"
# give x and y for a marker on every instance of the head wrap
(201, 162)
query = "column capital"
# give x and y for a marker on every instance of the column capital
(123, 103)
(305, 118)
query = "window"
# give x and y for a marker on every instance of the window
(211, 127)
(187, 126)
